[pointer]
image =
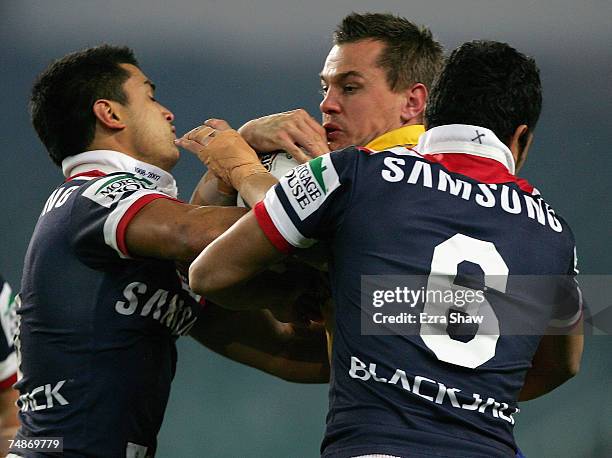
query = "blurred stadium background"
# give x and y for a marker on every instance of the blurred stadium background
(238, 60)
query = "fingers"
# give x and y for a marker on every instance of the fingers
(294, 131)
(304, 131)
(219, 124)
(312, 144)
(200, 134)
(189, 145)
(297, 153)
(224, 152)
(314, 140)
(197, 140)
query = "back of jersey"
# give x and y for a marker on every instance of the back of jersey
(445, 271)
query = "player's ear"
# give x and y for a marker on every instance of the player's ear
(519, 145)
(414, 104)
(109, 114)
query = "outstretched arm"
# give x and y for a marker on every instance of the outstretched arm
(167, 229)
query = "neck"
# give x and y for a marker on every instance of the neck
(112, 143)
(413, 121)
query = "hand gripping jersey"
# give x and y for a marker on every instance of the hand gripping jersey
(450, 208)
(8, 361)
(97, 327)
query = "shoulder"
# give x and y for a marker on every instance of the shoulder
(110, 189)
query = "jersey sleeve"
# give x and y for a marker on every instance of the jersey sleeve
(309, 202)
(103, 211)
(8, 319)
(569, 303)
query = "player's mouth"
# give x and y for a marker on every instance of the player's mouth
(333, 131)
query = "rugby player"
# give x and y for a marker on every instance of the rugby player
(102, 301)
(374, 84)
(452, 206)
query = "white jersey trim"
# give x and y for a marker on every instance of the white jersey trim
(114, 218)
(109, 161)
(465, 139)
(567, 323)
(283, 223)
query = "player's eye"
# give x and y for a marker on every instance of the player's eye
(349, 89)
(323, 90)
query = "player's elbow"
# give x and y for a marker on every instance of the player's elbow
(200, 278)
(207, 277)
(569, 368)
(574, 353)
(565, 373)
(572, 368)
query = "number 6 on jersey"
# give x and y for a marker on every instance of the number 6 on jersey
(446, 257)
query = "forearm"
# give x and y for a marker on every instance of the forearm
(541, 382)
(299, 361)
(212, 191)
(165, 229)
(303, 359)
(555, 362)
(268, 289)
(223, 268)
(257, 339)
(253, 188)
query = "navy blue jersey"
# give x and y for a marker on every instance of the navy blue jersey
(8, 361)
(97, 327)
(453, 207)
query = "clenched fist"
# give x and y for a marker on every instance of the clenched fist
(223, 151)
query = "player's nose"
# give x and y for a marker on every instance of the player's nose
(167, 114)
(330, 103)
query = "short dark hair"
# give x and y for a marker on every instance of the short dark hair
(488, 84)
(411, 55)
(63, 96)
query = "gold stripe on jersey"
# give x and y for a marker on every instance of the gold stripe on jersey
(404, 136)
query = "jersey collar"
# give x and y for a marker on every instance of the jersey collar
(404, 136)
(471, 151)
(466, 139)
(108, 161)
